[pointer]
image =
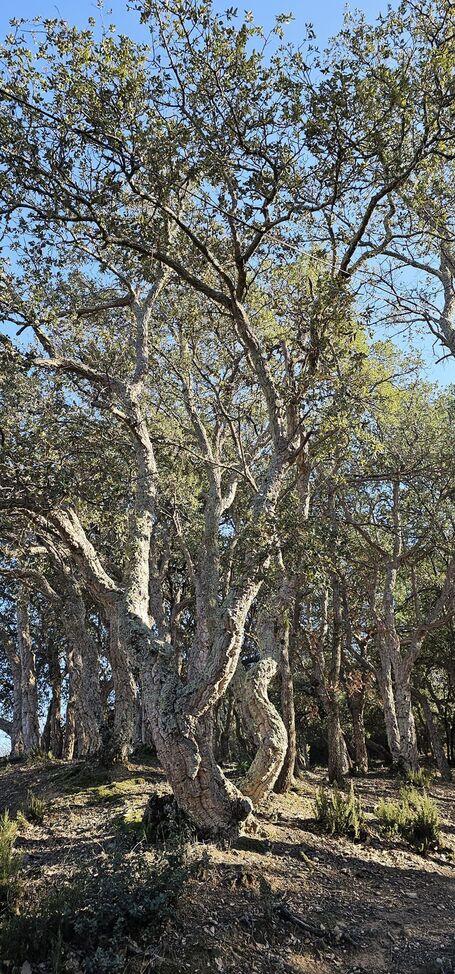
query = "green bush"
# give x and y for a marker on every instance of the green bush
(419, 779)
(96, 914)
(10, 860)
(34, 809)
(338, 813)
(415, 818)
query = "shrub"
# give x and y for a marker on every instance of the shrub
(34, 809)
(339, 814)
(415, 818)
(96, 915)
(419, 779)
(9, 859)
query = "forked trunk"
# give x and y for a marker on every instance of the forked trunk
(185, 748)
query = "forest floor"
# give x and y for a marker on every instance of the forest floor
(284, 898)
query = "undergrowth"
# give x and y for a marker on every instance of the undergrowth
(338, 813)
(96, 914)
(10, 860)
(415, 818)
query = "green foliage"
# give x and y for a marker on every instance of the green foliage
(10, 861)
(419, 779)
(34, 809)
(96, 913)
(339, 814)
(415, 818)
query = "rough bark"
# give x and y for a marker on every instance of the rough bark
(29, 692)
(356, 701)
(266, 729)
(385, 683)
(125, 691)
(69, 739)
(17, 740)
(52, 737)
(85, 678)
(437, 746)
(286, 775)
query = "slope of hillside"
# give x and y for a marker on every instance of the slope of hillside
(93, 896)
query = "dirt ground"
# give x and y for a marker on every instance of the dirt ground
(283, 898)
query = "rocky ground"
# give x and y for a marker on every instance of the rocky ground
(283, 898)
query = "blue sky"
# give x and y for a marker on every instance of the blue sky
(326, 16)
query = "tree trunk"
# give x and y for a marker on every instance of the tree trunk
(17, 740)
(29, 693)
(69, 741)
(339, 761)
(286, 775)
(85, 677)
(357, 705)
(435, 738)
(409, 757)
(184, 746)
(125, 691)
(266, 729)
(223, 743)
(384, 677)
(52, 738)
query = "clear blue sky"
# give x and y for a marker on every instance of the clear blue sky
(326, 17)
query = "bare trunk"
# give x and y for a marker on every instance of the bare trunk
(52, 738)
(339, 761)
(125, 690)
(435, 738)
(286, 775)
(384, 676)
(266, 729)
(409, 757)
(223, 744)
(85, 678)
(357, 706)
(69, 742)
(30, 723)
(184, 745)
(17, 740)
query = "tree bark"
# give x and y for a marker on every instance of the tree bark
(286, 775)
(69, 739)
(356, 702)
(52, 738)
(125, 690)
(29, 692)
(17, 740)
(266, 729)
(435, 738)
